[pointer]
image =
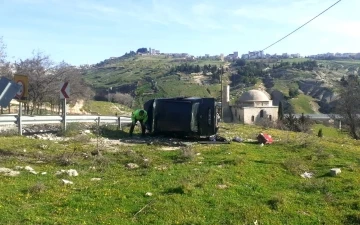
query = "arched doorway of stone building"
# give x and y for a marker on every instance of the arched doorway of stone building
(262, 114)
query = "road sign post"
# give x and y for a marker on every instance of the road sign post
(22, 96)
(19, 119)
(64, 94)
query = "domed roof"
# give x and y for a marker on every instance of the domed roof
(254, 96)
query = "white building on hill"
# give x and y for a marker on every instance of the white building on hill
(252, 107)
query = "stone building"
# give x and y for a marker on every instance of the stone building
(252, 107)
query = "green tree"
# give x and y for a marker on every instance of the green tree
(348, 106)
(240, 62)
(142, 50)
(281, 111)
(293, 92)
(320, 133)
(213, 69)
(197, 69)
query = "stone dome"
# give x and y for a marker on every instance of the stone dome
(254, 96)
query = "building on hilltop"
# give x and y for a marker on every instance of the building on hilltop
(236, 55)
(233, 56)
(253, 107)
(222, 57)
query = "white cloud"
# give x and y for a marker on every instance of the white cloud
(343, 27)
(202, 9)
(101, 8)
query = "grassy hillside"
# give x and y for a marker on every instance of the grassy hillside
(139, 70)
(304, 104)
(237, 183)
(105, 108)
(148, 77)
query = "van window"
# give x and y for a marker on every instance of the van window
(194, 117)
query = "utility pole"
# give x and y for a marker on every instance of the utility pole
(109, 89)
(221, 81)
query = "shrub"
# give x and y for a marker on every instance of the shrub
(266, 123)
(72, 129)
(302, 124)
(36, 189)
(186, 154)
(320, 133)
(295, 166)
(124, 99)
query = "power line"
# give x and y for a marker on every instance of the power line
(302, 25)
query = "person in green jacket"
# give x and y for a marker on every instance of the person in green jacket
(141, 116)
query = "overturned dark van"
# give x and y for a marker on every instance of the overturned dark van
(182, 116)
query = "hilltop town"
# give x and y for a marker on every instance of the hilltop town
(247, 56)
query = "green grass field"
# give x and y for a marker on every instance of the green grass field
(105, 108)
(237, 183)
(303, 104)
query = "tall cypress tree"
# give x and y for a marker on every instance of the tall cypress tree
(281, 111)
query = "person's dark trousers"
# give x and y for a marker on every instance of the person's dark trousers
(142, 128)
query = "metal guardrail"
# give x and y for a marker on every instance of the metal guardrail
(26, 120)
(12, 119)
(318, 116)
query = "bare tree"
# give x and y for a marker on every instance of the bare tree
(2, 50)
(348, 106)
(5, 67)
(124, 99)
(78, 88)
(39, 69)
(45, 79)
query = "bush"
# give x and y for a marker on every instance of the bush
(320, 133)
(72, 129)
(302, 124)
(295, 166)
(266, 123)
(124, 99)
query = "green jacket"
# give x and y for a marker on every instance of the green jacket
(135, 116)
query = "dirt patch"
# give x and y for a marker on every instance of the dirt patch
(315, 107)
(169, 148)
(120, 112)
(77, 108)
(200, 79)
(161, 143)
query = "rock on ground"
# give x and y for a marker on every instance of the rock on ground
(132, 166)
(9, 172)
(335, 171)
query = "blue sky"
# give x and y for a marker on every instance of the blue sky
(89, 31)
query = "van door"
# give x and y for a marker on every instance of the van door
(207, 114)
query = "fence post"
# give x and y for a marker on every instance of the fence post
(64, 114)
(339, 124)
(98, 121)
(19, 123)
(119, 123)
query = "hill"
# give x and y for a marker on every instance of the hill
(307, 86)
(237, 183)
(147, 77)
